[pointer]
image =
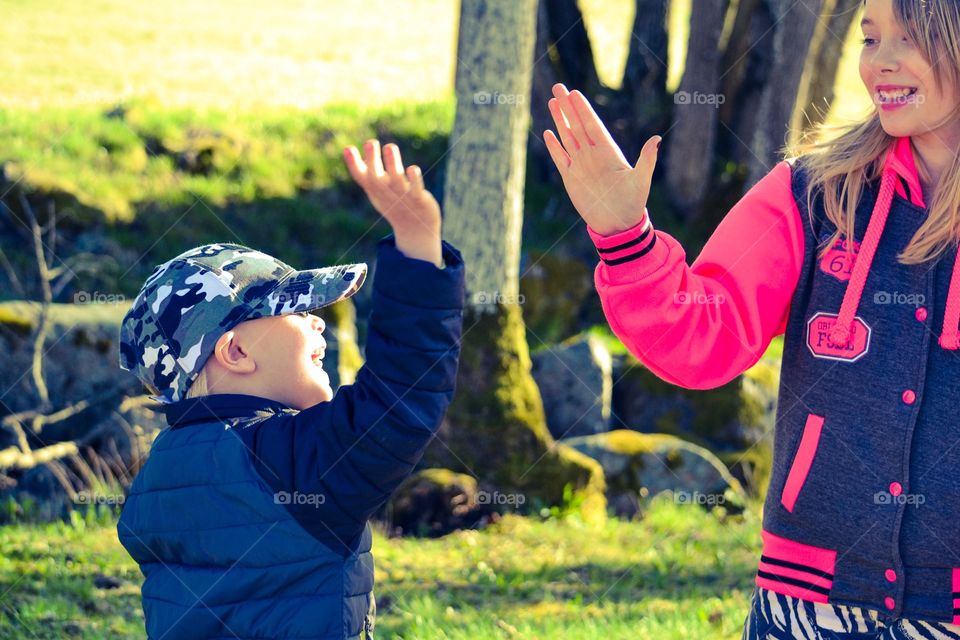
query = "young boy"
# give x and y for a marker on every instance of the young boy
(249, 519)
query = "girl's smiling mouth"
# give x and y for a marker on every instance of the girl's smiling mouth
(894, 96)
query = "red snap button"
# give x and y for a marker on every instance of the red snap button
(921, 314)
(890, 575)
(889, 603)
(895, 489)
(909, 396)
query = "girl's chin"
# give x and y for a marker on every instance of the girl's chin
(897, 129)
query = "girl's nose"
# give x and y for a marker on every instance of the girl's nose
(886, 60)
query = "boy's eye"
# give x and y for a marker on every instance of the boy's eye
(867, 41)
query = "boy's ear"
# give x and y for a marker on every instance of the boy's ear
(231, 355)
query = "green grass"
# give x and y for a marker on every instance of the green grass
(157, 181)
(679, 572)
(116, 162)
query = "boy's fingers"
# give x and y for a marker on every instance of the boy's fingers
(391, 159)
(570, 143)
(415, 176)
(356, 166)
(372, 157)
(559, 156)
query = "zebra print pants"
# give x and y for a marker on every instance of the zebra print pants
(778, 617)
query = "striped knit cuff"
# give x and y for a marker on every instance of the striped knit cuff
(639, 242)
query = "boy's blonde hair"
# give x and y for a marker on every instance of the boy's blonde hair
(841, 165)
(196, 389)
(199, 386)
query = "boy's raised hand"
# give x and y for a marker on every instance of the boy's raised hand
(399, 196)
(608, 193)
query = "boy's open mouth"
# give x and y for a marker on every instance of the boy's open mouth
(317, 356)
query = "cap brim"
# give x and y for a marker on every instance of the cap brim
(311, 289)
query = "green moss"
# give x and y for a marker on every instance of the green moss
(24, 313)
(498, 429)
(444, 478)
(625, 454)
(13, 318)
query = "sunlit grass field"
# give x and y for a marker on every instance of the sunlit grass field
(246, 55)
(679, 573)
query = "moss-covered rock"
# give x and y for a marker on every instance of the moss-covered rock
(644, 464)
(433, 502)
(496, 429)
(575, 381)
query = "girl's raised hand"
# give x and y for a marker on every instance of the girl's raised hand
(608, 193)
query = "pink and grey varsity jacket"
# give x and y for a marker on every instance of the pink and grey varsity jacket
(863, 507)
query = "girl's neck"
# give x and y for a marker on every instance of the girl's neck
(933, 153)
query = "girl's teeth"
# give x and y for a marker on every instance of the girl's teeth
(895, 95)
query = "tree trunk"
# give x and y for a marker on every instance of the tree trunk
(496, 428)
(690, 146)
(754, 61)
(736, 58)
(795, 22)
(645, 74)
(828, 42)
(483, 196)
(562, 53)
(570, 44)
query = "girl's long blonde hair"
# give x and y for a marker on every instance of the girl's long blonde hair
(842, 159)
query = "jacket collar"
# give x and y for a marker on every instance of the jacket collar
(221, 406)
(902, 161)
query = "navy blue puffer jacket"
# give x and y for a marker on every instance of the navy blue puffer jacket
(250, 518)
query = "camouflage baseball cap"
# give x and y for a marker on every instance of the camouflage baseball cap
(188, 302)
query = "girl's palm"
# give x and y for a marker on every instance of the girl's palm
(608, 193)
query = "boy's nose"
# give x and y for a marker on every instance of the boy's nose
(318, 323)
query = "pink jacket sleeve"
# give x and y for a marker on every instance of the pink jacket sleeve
(701, 326)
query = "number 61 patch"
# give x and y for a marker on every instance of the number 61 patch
(837, 262)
